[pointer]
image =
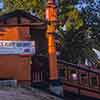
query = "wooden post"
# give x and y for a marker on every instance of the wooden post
(51, 18)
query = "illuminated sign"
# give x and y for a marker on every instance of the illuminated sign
(17, 47)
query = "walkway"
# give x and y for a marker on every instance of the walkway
(24, 94)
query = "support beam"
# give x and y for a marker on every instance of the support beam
(51, 17)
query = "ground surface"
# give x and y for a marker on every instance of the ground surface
(7, 93)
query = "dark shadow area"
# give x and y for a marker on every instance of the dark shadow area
(72, 96)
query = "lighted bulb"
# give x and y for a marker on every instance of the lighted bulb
(74, 76)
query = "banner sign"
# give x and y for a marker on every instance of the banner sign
(17, 47)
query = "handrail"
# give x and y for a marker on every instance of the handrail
(72, 76)
(86, 67)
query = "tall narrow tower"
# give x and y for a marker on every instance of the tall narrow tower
(51, 17)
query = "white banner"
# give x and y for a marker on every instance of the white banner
(17, 47)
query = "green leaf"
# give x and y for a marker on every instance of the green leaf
(79, 23)
(68, 25)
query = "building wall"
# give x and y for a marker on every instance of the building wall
(14, 66)
(11, 33)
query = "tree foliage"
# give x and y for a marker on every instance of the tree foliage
(76, 41)
(69, 16)
(28, 5)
